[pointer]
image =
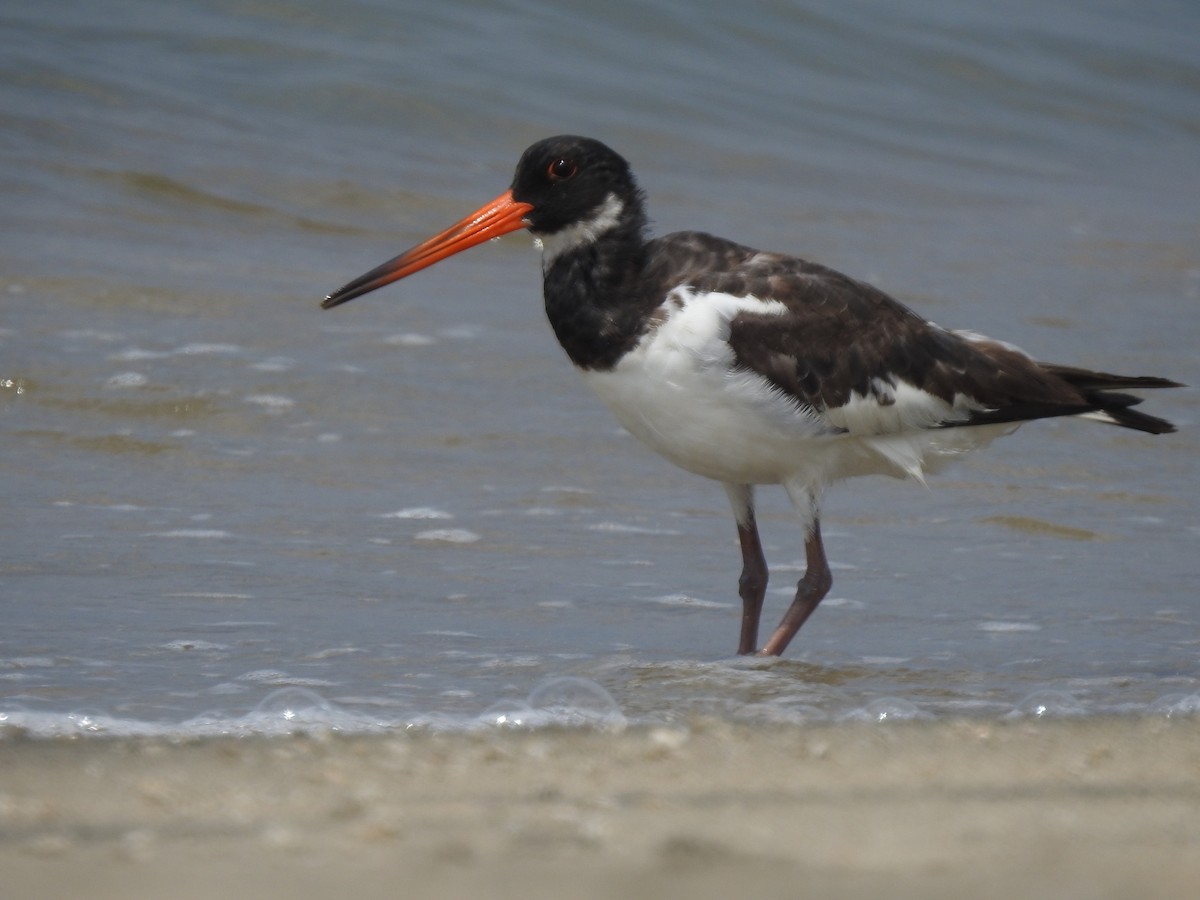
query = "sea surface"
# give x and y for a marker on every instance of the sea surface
(225, 510)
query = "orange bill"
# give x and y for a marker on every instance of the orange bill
(502, 215)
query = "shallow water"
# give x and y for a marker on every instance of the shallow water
(407, 511)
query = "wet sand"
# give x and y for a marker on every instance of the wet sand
(1062, 809)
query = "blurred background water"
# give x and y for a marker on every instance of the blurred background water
(409, 511)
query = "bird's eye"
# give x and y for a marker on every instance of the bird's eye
(561, 169)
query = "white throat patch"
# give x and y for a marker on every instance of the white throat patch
(606, 215)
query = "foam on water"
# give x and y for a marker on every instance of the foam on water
(417, 512)
(559, 702)
(886, 709)
(448, 535)
(566, 702)
(1050, 704)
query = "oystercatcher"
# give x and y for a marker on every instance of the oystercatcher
(756, 368)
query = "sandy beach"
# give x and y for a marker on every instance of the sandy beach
(1070, 808)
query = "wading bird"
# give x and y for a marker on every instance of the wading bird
(756, 368)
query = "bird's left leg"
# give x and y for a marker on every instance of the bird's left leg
(752, 586)
(817, 578)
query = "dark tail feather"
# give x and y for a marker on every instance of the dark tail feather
(1100, 399)
(1139, 421)
(1089, 381)
(1098, 388)
(1115, 408)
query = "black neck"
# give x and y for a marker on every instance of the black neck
(596, 299)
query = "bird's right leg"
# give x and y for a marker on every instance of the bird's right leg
(817, 578)
(752, 585)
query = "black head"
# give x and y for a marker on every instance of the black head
(568, 179)
(560, 182)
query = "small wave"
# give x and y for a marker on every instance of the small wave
(272, 403)
(302, 707)
(622, 528)
(205, 534)
(127, 380)
(1007, 627)
(1048, 704)
(685, 600)
(886, 709)
(417, 512)
(558, 702)
(448, 536)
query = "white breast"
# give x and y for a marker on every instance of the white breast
(678, 391)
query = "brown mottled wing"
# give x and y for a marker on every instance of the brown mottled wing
(842, 337)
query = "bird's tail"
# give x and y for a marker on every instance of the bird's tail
(1102, 392)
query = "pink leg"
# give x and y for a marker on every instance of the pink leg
(752, 585)
(809, 592)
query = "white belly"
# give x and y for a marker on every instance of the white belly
(719, 426)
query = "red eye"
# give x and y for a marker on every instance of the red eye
(561, 169)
